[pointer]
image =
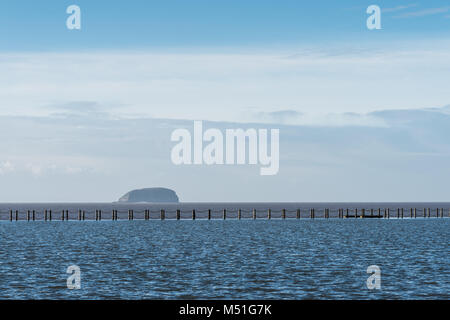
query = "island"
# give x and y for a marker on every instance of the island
(150, 195)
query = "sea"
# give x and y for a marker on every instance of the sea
(231, 258)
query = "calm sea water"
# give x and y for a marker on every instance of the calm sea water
(231, 259)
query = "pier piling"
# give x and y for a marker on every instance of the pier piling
(323, 213)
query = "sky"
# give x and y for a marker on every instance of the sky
(93, 108)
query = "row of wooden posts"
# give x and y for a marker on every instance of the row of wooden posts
(381, 213)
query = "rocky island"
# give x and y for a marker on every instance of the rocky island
(150, 195)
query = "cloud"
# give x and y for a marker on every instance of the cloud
(77, 159)
(220, 87)
(398, 8)
(281, 116)
(6, 167)
(425, 12)
(35, 169)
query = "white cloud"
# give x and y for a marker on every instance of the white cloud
(35, 169)
(6, 167)
(424, 12)
(99, 159)
(224, 86)
(399, 8)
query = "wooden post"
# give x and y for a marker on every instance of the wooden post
(356, 212)
(371, 212)
(50, 215)
(346, 213)
(163, 214)
(224, 214)
(178, 214)
(45, 215)
(254, 214)
(239, 214)
(34, 215)
(437, 212)
(99, 215)
(363, 212)
(17, 215)
(28, 215)
(10, 215)
(67, 215)
(283, 213)
(84, 212)
(298, 213)
(411, 212)
(388, 213)
(311, 213)
(398, 213)
(62, 215)
(269, 214)
(379, 212)
(402, 213)
(429, 213)
(415, 212)
(193, 214)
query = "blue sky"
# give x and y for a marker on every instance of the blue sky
(94, 108)
(40, 25)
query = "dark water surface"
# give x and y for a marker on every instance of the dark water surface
(262, 259)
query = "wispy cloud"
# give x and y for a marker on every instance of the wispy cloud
(220, 87)
(399, 8)
(424, 12)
